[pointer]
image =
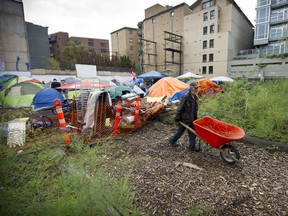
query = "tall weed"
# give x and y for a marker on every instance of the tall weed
(260, 108)
(47, 179)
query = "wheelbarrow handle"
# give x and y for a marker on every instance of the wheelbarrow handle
(188, 128)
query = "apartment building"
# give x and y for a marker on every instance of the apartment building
(161, 38)
(59, 40)
(38, 43)
(99, 46)
(124, 42)
(14, 51)
(214, 33)
(269, 59)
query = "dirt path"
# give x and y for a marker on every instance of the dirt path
(257, 185)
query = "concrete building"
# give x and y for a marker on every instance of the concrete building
(38, 45)
(161, 38)
(214, 33)
(14, 52)
(124, 42)
(269, 59)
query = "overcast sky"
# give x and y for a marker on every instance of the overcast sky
(98, 18)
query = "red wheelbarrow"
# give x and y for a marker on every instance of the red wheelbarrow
(219, 135)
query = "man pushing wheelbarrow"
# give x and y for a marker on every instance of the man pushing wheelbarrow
(217, 134)
(186, 113)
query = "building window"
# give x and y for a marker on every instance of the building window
(205, 30)
(204, 70)
(103, 50)
(102, 44)
(153, 20)
(211, 43)
(279, 15)
(210, 69)
(205, 16)
(277, 32)
(212, 14)
(77, 42)
(172, 14)
(261, 31)
(205, 44)
(204, 58)
(274, 48)
(262, 15)
(131, 40)
(131, 48)
(90, 42)
(212, 28)
(131, 56)
(211, 58)
(207, 4)
(262, 2)
(130, 31)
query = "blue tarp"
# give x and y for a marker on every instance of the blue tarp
(44, 99)
(152, 75)
(177, 95)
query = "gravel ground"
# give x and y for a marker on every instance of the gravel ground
(175, 180)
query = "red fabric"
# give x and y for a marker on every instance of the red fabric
(132, 73)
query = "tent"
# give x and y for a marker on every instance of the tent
(207, 86)
(167, 86)
(21, 94)
(44, 99)
(152, 75)
(189, 75)
(26, 79)
(118, 91)
(222, 79)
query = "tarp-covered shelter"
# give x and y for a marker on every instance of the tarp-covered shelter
(167, 86)
(118, 91)
(189, 75)
(44, 99)
(222, 79)
(207, 86)
(21, 94)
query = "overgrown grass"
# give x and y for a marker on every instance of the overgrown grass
(260, 108)
(45, 179)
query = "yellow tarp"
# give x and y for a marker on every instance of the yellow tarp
(167, 86)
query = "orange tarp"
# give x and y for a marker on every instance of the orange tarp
(167, 86)
(207, 85)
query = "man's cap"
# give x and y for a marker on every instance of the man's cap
(194, 85)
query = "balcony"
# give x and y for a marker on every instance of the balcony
(278, 3)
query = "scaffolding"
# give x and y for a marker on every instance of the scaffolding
(173, 44)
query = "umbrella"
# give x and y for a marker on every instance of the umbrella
(152, 75)
(86, 85)
(222, 79)
(189, 75)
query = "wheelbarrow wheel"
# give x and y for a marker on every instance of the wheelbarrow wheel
(229, 154)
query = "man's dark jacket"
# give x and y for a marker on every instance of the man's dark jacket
(187, 109)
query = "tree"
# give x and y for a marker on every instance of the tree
(71, 53)
(53, 64)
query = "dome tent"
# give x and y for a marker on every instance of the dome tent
(44, 99)
(21, 94)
